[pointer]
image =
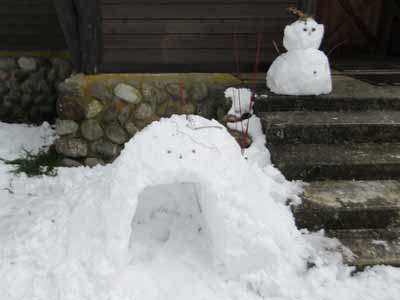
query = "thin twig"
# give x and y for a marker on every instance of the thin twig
(276, 47)
(335, 47)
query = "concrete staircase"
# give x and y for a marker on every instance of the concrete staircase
(347, 147)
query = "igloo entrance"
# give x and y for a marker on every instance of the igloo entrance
(169, 221)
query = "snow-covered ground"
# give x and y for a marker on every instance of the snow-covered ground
(180, 215)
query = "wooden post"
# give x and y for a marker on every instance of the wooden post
(68, 19)
(89, 34)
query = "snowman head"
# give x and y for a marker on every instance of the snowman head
(303, 34)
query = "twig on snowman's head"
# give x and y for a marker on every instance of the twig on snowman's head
(298, 13)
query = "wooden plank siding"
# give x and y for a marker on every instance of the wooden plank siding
(189, 35)
(29, 25)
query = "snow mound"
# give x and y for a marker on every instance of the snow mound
(246, 222)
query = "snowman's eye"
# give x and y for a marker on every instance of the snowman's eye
(315, 72)
(305, 29)
(314, 29)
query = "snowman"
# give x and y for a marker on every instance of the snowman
(303, 69)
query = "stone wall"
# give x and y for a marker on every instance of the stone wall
(28, 88)
(97, 115)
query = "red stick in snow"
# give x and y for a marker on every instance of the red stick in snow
(182, 92)
(253, 90)
(237, 59)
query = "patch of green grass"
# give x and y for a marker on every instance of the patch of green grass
(45, 162)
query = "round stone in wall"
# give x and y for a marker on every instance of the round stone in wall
(7, 63)
(153, 94)
(110, 114)
(131, 128)
(27, 64)
(199, 91)
(66, 127)
(101, 92)
(3, 75)
(26, 100)
(93, 161)
(105, 149)
(91, 130)
(52, 76)
(39, 99)
(124, 115)
(144, 111)
(72, 147)
(116, 134)
(70, 163)
(68, 108)
(20, 75)
(177, 90)
(62, 67)
(188, 108)
(128, 93)
(3, 88)
(93, 109)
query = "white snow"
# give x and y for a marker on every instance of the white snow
(180, 215)
(303, 35)
(300, 72)
(303, 70)
(241, 101)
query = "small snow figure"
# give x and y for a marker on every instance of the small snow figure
(303, 70)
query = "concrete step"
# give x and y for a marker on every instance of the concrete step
(332, 205)
(314, 162)
(326, 103)
(331, 127)
(371, 247)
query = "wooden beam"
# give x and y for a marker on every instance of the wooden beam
(89, 34)
(68, 19)
(348, 8)
(331, 35)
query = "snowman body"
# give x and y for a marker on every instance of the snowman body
(303, 69)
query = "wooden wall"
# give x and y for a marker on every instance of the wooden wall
(189, 35)
(29, 25)
(342, 31)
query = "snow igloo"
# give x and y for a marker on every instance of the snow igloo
(246, 225)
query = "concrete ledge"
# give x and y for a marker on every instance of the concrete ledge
(348, 94)
(314, 162)
(371, 247)
(306, 127)
(349, 205)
